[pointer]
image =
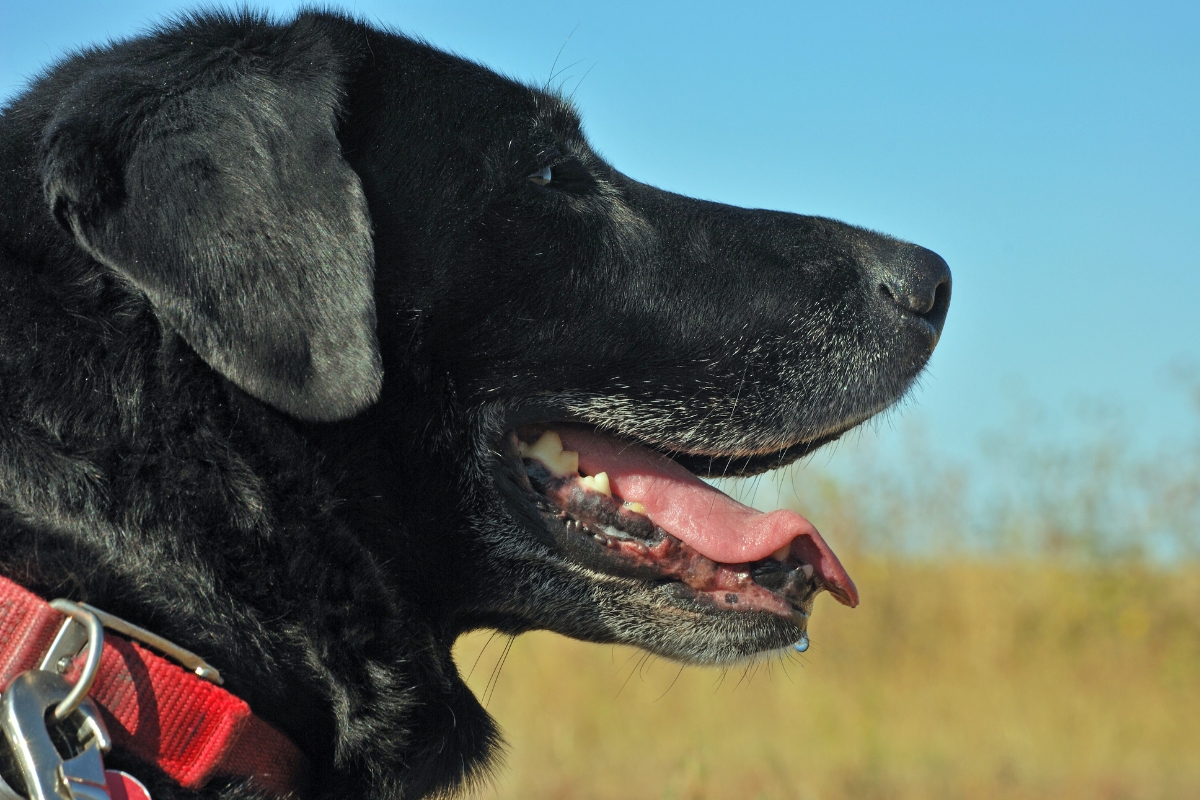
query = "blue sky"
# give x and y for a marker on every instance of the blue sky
(1048, 151)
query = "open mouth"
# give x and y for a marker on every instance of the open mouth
(627, 510)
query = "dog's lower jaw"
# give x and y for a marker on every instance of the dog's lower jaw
(536, 587)
(594, 607)
(662, 624)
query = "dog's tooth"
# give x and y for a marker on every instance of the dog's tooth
(807, 569)
(548, 449)
(567, 464)
(635, 507)
(545, 444)
(597, 483)
(782, 553)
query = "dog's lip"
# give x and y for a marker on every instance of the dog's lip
(702, 463)
(744, 465)
(705, 518)
(734, 534)
(597, 533)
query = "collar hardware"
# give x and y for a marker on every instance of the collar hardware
(164, 710)
(46, 772)
(187, 658)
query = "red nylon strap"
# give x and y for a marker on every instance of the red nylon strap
(193, 730)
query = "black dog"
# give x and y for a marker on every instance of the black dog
(308, 332)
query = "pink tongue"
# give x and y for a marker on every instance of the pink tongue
(711, 522)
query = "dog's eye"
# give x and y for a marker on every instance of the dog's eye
(541, 177)
(566, 175)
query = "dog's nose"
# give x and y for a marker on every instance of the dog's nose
(918, 282)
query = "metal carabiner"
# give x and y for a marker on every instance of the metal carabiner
(53, 732)
(72, 770)
(81, 627)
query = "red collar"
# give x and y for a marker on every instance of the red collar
(157, 711)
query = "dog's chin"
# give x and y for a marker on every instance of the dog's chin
(666, 621)
(647, 574)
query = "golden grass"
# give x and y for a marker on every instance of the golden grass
(952, 680)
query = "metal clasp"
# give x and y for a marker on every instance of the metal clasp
(54, 735)
(197, 665)
(81, 626)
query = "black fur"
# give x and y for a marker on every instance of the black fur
(272, 294)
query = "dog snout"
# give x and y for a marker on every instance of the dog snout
(917, 281)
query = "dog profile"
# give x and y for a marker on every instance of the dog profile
(320, 347)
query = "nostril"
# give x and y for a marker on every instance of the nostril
(908, 300)
(917, 281)
(888, 292)
(941, 299)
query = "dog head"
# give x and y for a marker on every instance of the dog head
(511, 361)
(430, 259)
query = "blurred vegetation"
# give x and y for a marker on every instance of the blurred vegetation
(1037, 637)
(1072, 491)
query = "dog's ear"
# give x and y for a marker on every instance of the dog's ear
(224, 197)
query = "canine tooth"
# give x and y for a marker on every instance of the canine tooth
(597, 483)
(782, 553)
(635, 507)
(807, 569)
(549, 451)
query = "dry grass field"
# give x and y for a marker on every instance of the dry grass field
(954, 679)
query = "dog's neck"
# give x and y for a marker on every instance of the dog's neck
(148, 486)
